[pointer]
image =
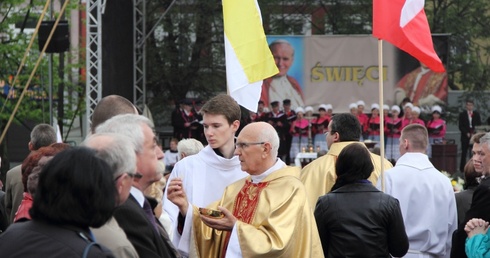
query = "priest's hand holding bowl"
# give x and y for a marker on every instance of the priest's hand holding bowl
(226, 222)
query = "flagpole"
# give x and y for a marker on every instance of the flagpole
(381, 118)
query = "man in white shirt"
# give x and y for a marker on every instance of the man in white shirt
(206, 174)
(426, 196)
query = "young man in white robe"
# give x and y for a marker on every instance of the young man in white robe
(206, 174)
(426, 196)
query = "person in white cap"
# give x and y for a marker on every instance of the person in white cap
(373, 124)
(308, 111)
(363, 119)
(354, 112)
(416, 116)
(392, 130)
(407, 116)
(329, 108)
(299, 130)
(353, 109)
(320, 124)
(436, 128)
(386, 112)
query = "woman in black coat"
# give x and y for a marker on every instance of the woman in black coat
(75, 191)
(355, 219)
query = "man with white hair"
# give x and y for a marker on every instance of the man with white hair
(117, 151)
(188, 147)
(135, 216)
(263, 215)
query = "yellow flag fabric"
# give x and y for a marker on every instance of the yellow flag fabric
(248, 57)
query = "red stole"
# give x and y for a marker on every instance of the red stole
(245, 206)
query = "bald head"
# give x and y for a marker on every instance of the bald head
(256, 148)
(110, 106)
(262, 132)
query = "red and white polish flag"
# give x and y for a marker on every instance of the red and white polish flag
(404, 24)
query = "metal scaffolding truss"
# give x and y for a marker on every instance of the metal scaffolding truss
(139, 53)
(95, 10)
(93, 58)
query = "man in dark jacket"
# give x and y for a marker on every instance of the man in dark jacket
(3, 213)
(467, 122)
(135, 216)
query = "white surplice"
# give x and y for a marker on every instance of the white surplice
(427, 203)
(205, 177)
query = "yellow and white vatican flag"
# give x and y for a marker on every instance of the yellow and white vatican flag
(248, 57)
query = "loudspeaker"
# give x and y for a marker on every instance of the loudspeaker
(60, 41)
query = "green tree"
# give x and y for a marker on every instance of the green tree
(189, 55)
(469, 63)
(185, 54)
(15, 14)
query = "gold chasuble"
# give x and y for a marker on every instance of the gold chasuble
(319, 176)
(274, 220)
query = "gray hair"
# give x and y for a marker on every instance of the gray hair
(42, 135)
(117, 152)
(129, 125)
(269, 134)
(189, 147)
(485, 139)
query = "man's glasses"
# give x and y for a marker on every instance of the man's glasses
(242, 145)
(131, 175)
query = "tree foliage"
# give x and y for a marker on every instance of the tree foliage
(16, 14)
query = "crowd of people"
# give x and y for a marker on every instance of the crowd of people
(303, 127)
(236, 196)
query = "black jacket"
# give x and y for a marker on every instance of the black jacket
(39, 239)
(357, 220)
(480, 208)
(139, 230)
(464, 123)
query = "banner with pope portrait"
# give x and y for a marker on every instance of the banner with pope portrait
(340, 70)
